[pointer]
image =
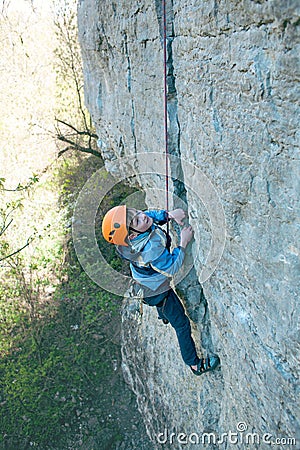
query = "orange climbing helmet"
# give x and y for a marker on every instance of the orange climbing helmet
(114, 228)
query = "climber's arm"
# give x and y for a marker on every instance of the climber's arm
(159, 216)
(169, 263)
(162, 216)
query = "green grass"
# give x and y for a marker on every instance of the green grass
(57, 346)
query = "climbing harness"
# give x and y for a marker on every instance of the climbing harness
(164, 16)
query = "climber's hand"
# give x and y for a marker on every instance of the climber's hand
(186, 236)
(178, 215)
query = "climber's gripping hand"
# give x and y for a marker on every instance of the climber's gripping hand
(178, 215)
(186, 236)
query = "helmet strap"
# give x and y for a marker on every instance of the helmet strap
(139, 232)
(135, 231)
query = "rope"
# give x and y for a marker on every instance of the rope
(164, 16)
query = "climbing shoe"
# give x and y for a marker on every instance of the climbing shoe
(206, 364)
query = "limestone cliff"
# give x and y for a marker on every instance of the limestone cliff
(233, 69)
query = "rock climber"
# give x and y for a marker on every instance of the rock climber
(140, 239)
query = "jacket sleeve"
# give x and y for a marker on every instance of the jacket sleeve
(167, 263)
(159, 216)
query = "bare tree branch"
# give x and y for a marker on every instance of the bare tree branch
(81, 133)
(81, 149)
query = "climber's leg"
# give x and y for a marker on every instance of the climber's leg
(160, 308)
(158, 301)
(172, 310)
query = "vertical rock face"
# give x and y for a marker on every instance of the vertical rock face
(233, 73)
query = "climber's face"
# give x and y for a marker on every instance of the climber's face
(141, 222)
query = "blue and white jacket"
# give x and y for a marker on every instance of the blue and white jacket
(151, 263)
